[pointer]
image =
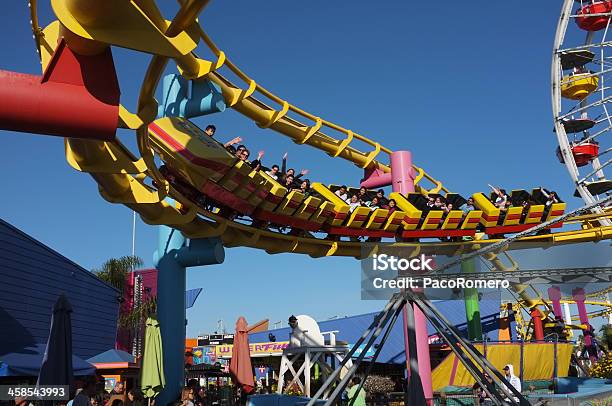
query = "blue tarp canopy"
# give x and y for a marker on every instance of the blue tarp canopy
(191, 296)
(112, 356)
(27, 362)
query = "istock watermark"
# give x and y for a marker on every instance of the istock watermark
(434, 283)
(384, 262)
(387, 269)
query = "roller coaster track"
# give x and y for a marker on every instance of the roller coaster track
(126, 179)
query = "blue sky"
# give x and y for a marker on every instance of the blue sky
(463, 85)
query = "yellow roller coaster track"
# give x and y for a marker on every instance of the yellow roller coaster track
(122, 177)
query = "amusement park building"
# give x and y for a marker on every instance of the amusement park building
(33, 276)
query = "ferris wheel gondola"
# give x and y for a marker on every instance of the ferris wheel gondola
(581, 95)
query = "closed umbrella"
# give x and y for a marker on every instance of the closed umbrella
(56, 368)
(240, 365)
(152, 379)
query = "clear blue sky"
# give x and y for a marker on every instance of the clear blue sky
(465, 86)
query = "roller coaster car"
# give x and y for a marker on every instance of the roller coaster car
(433, 216)
(518, 196)
(555, 210)
(436, 223)
(200, 168)
(591, 18)
(362, 221)
(455, 199)
(575, 58)
(510, 215)
(532, 213)
(419, 201)
(577, 86)
(206, 165)
(354, 191)
(185, 146)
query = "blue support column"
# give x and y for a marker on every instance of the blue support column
(205, 98)
(174, 254)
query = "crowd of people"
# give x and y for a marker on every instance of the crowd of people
(285, 176)
(291, 180)
(92, 393)
(364, 198)
(502, 200)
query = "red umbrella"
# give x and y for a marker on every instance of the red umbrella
(240, 364)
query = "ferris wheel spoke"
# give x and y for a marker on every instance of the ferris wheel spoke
(581, 107)
(585, 46)
(592, 137)
(607, 115)
(604, 152)
(595, 170)
(591, 15)
(586, 107)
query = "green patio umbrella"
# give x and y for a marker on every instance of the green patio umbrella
(152, 379)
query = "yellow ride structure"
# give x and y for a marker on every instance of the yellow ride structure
(122, 176)
(163, 195)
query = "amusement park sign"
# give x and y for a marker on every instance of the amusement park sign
(257, 350)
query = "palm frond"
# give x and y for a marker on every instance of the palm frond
(115, 270)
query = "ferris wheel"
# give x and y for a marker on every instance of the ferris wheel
(581, 77)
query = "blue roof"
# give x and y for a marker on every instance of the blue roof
(351, 328)
(112, 356)
(27, 362)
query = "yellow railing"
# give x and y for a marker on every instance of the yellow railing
(122, 178)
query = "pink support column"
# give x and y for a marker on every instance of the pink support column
(538, 328)
(579, 298)
(554, 294)
(375, 178)
(402, 181)
(402, 174)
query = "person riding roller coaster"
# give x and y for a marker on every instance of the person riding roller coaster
(354, 202)
(273, 172)
(210, 130)
(342, 193)
(391, 206)
(374, 203)
(500, 198)
(380, 194)
(423, 224)
(305, 187)
(290, 172)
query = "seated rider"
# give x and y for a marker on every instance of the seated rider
(363, 195)
(210, 131)
(354, 202)
(273, 173)
(305, 187)
(342, 192)
(381, 197)
(374, 204)
(468, 206)
(391, 206)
